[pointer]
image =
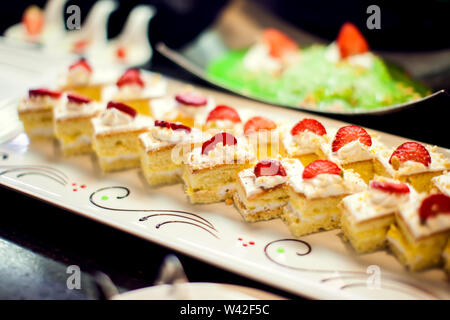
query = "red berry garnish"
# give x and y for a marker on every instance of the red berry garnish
(350, 41)
(269, 168)
(33, 18)
(224, 137)
(411, 151)
(191, 99)
(131, 76)
(279, 44)
(309, 125)
(256, 124)
(77, 99)
(223, 112)
(348, 134)
(80, 46)
(433, 205)
(320, 167)
(390, 187)
(44, 92)
(122, 107)
(81, 63)
(121, 52)
(171, 125)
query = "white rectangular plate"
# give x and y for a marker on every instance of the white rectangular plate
(317, 266)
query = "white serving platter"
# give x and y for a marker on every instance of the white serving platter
(317, 266)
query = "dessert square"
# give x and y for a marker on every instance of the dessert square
(80, 79)
(304, 141)
(137, 90)
(264, 135)
(210, 171)
(72, 124)
(36, 112)
(314, 196)
(115, 138)
(421, 231)
(353, 148)
(441, 183)
(412, 163)
(162, 150)
(446, 257)
(367, 215)
(260, 193)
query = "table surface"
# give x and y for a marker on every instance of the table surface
(38, 241)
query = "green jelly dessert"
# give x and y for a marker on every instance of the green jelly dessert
(316, 81)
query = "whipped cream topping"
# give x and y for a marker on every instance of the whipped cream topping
(258, 59)
(71, 110)
(327, 185)
(438, 163)
(216, 126)
(113, 120)
(364, 60)
(78, 76)
(39, 102)
(374, 203)
(305, 142)
(159, 137)
(255, 185)
(352, 152)
(409, 213)
(239, 153)
(442, 183)
(154, 86)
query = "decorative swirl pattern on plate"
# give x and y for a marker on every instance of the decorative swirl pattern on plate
(192, 218)
(27, 170)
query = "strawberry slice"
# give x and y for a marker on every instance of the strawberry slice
(122, 107)
(258, 124)
(433, 205)
(131, 76)
(350, 41)
(77, 99)
(411, 151)
(269, 168)
(191, 99)
(309, 125)
(224, 137)
(279, 44)
(320, 167)
(41, 92)
(82, 63)
(171, 125)
(348, 134)
(223, 112)
(390, 187)
(33, 19)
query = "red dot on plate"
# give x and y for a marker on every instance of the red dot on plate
(244, 244)
(251, 243)
(240, 239)
(83, 186)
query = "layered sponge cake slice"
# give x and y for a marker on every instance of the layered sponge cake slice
(314, 196)
(36, 112)
(115, 138)
(162, 151)
(210, 171)
(304, 141)
(72, 123)
(412, 163)
(260, 193)
(367, 215)
(420, 233)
